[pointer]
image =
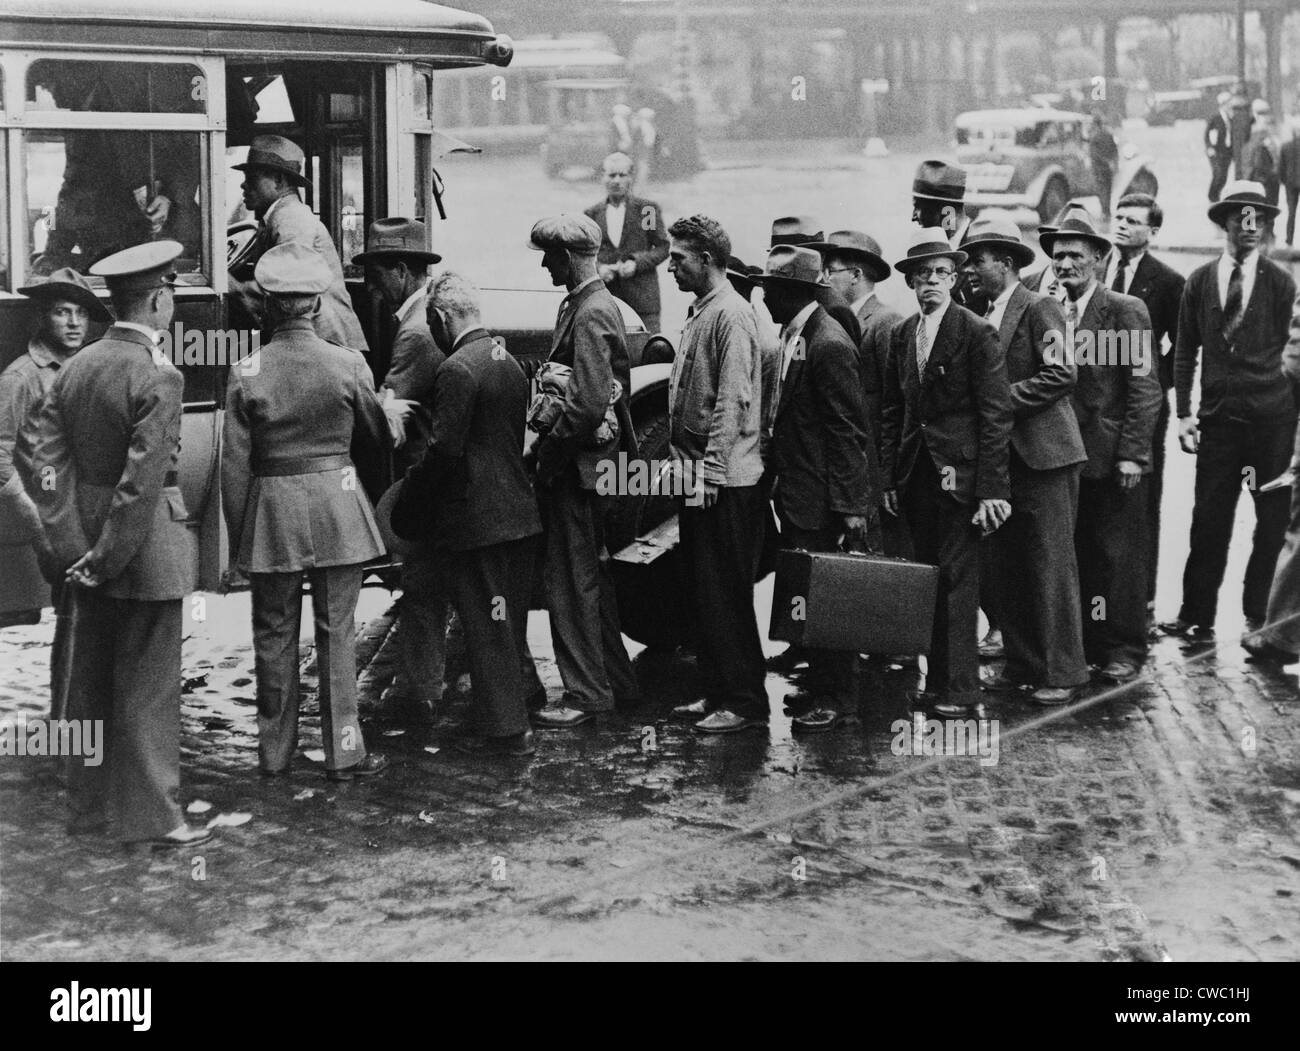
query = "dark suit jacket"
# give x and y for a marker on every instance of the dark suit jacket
(1216, 137)
(470, 490)
(1262, 163)
(645, 241)
(590, 339)
(960, 410)
(838, 308)
(1116, 406)
(413, 366)
(1160, 287)
(825, 466)
(877, 322)
(1288, 165)
(1046, 433)
(109, 433)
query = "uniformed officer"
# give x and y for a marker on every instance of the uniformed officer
(105, 454)
(294, 505)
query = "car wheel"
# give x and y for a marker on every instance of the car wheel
(1056, 195)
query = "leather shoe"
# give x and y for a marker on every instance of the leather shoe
(1185, 630)
(958, 709)
(999, 683)
(520, 744)
(182, 836)
(1266, 651)
(371, 764)
(1119, 672)
(991, 647)
(1054, 696)
(725, 722)
(558, 717)
(536, 700)
(269, 774)
(816, 720)
(802, 701)
(791, 659)
(691, 712)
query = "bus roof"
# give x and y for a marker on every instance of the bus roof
(340, 29)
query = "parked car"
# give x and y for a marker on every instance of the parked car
(1165, 107)
(1036, 158)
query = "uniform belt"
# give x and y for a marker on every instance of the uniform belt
(110, 481)
(300, 465)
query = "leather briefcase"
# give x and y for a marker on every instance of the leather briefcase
(862, 603)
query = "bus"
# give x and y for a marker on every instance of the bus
(103, 104)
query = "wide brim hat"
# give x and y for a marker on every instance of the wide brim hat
(930, 243)
(384, 520)
(396, 238)
(275, 153)
(853, 244)
(799, 231)
(67, 284)
(1241, 193)
(793, 265)
(739, 270)
(1000, 234)
(1075, 226)
(939, 181)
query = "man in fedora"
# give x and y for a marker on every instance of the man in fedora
(295, 508)
(802, 231)
(825, 467)
(853, 266)
(396, 263)
(1116, 400)
(589, 339)
(633, 241)
(273, 174)
(108, 436)
(938, 190)
(947, 423)
(1233, 320)
(65, 307)
(1031, 587)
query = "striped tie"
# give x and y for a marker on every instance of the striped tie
(922, 346)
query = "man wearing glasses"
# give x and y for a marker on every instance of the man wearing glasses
(945, 435)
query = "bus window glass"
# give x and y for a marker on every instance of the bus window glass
(423, 175)
(92, 192)
(421, 94)
(5, 275)
(352, 207)
(268, 100)
(81, 86)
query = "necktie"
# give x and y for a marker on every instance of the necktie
(1118, 284)
(988, 310)
(1071, 323)
(1232, 306)
(922, 346)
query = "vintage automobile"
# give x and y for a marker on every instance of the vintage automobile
(87, 90)
(1166, 107)
(1036, 158)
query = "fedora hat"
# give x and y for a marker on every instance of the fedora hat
(1241, 193)
(928, 243)
(793, 264)
(737, 270)
(275, 153)
(939, 181)
(854, 244)
(795, 230)
(396, 238)
(67, 284)
(1000, 233)
(1076, 224)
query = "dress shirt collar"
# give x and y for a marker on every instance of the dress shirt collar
(862, 301)
(794, 328)
(574, 294)
(153, 334)
(411, 300)
(44, 355)
(470, 333)
(999, 305)
(1081, 304)
(1130, 268)
(700, 302)
(1248, 265)
(931, 321)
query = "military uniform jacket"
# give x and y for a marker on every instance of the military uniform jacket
(291, 493)
(959, 410)
(471, 490)
(108, 434)
(1046, 432)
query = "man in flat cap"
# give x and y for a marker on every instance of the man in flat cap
(827, 476)
(295, 507)
(1233, 321)
(105, 454)
(1029, 579)
(946, 429)
(633, 241)
(396, 262)
(589, 339)
(273, 173)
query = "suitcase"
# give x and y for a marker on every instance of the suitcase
(838, 600)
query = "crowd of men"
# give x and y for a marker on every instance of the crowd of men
(1009, 432)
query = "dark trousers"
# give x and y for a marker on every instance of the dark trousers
(1284, 595)
(60, 673)
(125, 669)
(1292, 203)
(1156, 494)
(277, 619)
(1111, 548)
(422, 625)
(1034, 578)
(943, 536)
(490, 586)
(580, 595)
(1229, 454)
(722, 545)
(1219, 166)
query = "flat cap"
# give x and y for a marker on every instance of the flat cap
(570, 230)
(140, 267)
(292, 269)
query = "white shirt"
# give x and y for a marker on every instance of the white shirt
(791, 334)
(614, 216)
(1129, 268)
(1000, 305)
(414, 298)
(931, 323)
(1249, 268)
(153, 334)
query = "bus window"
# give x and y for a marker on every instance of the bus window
(421, 96)
(83, 86)
(352, 207)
